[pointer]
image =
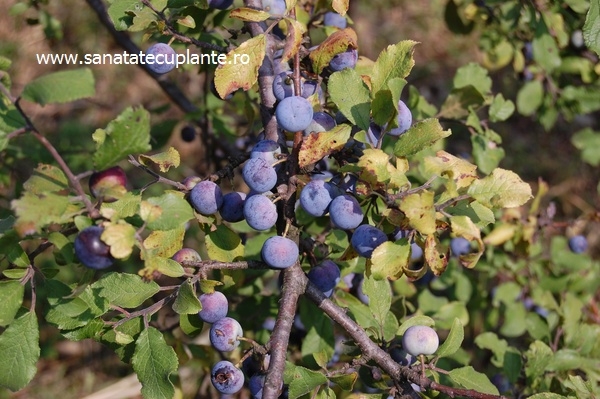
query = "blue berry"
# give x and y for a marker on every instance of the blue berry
(220, 4)
(344, 60)
(226, 378)
(321, 122)
(91, 250)
(316, 196)
(214, 307)
(260, 212)
(279, 252)
(366, 238)
(160, 58)
(266, 149)
(334, 19)
(420, 340)
(206, 197)
(325, 276)
(224, 334)
(345, 212)
(460, 246)
(294, 113)
(404, 120)
(232, 208)
(259, 175)
(578, 244)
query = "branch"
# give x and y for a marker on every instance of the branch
(178, 35)
(265, 77)
(381, 357)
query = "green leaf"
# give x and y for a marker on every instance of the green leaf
(11, 298)
(69, 313)
(319, 327)
(301, 380)
(38, 211)
(175, 211)
(129, 133)
(490, 341)
(223, 244)
(502, 189)
(351, 95)
(530, 97)
(190, 324)
(19, 345)
(501, 109)
(453, 341)
(61, 87)
(396, 61)
(164, 160)
(15, 254)
(358, 310)
(471, 379)
(345, 381)
(486, 153)
(124, 207)
(187, 301)
(165, 266)
(474, 75)
(10, 120)
(380, 297)
(539, 356)
(459, 101)
(420, 136)
(591, 28)
(120, 12)
(124, 289)
(545, 49)
(389, 260)
(547, 395)
(46, 178)
(588, 142)
(232, 75)
(154, 362)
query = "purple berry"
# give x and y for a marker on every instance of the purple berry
(260, 212)
(279, 252)
(344, 60)
(345, 212)
(266, 149)
(259, 175)
(316, 196)
(294, 113)
(283, 85)
(404, 120)
(366, 238)
(220, 4)
(186, 255)
(420, 340)
(255, 385)
(224, 334)
(232, 208)
(214, 307)
(334, 19)
(274, 7)
(374, 134)
(460, 246)
(226, 378)
(321, 122)
(106, 182)
(325, 276)
(91, 250)
(206, 197)
(578, 244)
(160, 58)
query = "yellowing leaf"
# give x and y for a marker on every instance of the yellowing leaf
(249, 14)
(451, 167)
(149, 212)
(46, 178)
(234, 74)
(501, 189)
(164, 160)
(435, 257)
(374, 167)
(295, 33)
(463, 226)
(389, 260)
(340, 6)
(420, 212)
(336, 43)
(164, 242)
(120, 237)
(316, 146)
